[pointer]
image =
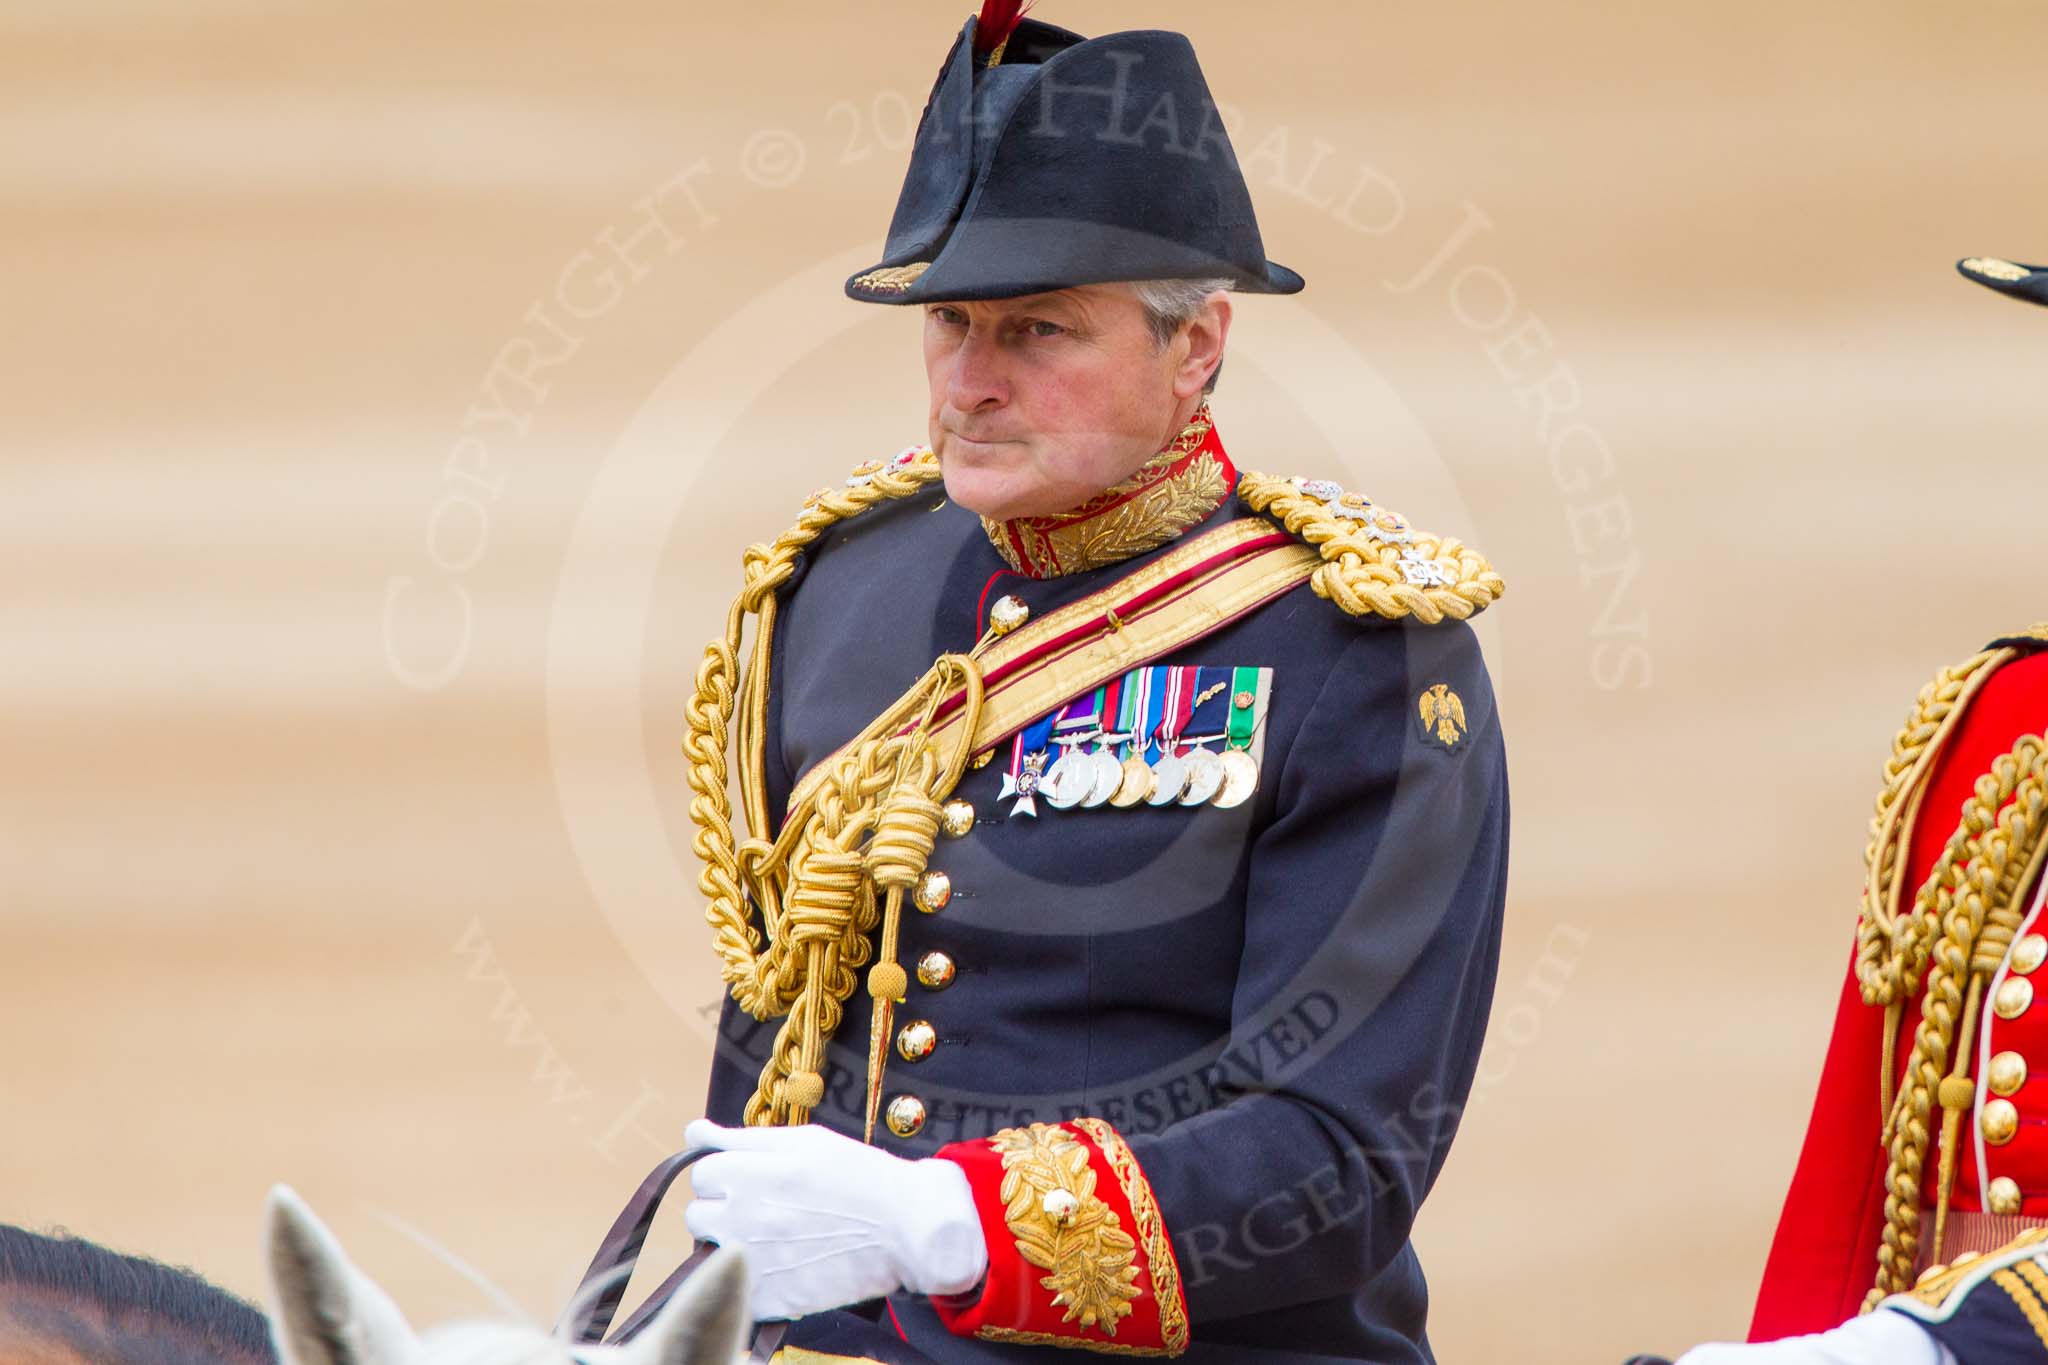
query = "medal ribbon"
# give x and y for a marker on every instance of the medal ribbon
(1210, 704)
(1108, 704)
(1151, 704)
(1243, 719)
(1079, 716)
(1130, 711)
(1032, 739)
(1180, 701)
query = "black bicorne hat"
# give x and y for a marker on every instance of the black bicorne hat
(2029, 282)
(1053, 161)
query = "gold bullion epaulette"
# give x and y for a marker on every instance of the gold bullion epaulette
(1893, 941)
(902, 474)
(1374, 562)
(870, 483)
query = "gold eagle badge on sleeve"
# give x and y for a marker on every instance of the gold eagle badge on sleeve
(1443, 717)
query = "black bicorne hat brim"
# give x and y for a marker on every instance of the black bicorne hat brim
(2028, 282)
(918, 282)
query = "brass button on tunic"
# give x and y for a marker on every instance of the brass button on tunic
(905, 1115)
(916, 1039)
(935, 971)
(2000, 1122)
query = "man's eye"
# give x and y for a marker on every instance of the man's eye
(1051, 329)
(949, 316)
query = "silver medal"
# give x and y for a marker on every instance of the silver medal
(1069, 781)
(1169, 776)
(1109, 775)
(1205, 777)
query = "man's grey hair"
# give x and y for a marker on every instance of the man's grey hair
(1170, 303)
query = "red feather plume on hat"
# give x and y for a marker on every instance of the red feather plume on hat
(997, 22)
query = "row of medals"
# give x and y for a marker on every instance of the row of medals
(1195, 778)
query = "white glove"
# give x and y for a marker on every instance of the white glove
(1880, 1338)
(827, 1221)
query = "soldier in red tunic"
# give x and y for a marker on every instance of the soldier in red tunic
(1929, 1137)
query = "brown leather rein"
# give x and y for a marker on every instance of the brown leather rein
(597, 1298)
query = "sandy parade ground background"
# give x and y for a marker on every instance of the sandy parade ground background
(388, 391)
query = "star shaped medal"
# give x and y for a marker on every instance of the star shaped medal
(1022, 783)
(1029, 754)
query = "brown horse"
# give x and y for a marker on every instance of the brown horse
(66, 1301)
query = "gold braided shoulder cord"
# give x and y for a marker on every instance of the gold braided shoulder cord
(1975, 894)
(1891, 952)
(1375, 563)
(869, 827)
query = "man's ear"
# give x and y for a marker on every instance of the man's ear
(705, 1323)
(325, 1311)
(1206, 333)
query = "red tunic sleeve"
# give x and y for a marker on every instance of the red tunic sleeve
(1077, 1252)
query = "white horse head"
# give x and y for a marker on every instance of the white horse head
(326, 1312)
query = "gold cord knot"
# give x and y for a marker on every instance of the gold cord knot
(905, 834)
(821, 902)
(795, 919)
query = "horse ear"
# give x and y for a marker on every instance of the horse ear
(325, 1311)
(704, 1324)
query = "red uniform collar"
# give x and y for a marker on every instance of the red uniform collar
(1173, 491)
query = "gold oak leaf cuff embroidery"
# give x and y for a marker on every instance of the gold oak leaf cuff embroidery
(1064, 1228)
(1151, 1231)
(1011, 1336)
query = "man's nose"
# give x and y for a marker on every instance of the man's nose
(980, 375)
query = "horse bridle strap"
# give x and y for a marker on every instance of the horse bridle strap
(597, 1298)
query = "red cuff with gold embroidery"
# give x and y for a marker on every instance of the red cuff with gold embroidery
(1077, 1252)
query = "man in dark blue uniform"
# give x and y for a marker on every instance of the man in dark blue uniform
(1112, 953)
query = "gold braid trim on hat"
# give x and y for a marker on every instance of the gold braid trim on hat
(1991, 268)
(1963, 919)
(1375, 563)
(867, 829)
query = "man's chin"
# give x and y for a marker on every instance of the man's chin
(983, 474)
(1000, 480)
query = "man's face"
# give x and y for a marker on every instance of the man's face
(1039, 403)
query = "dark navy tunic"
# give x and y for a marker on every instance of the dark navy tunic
(1279, 1006)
